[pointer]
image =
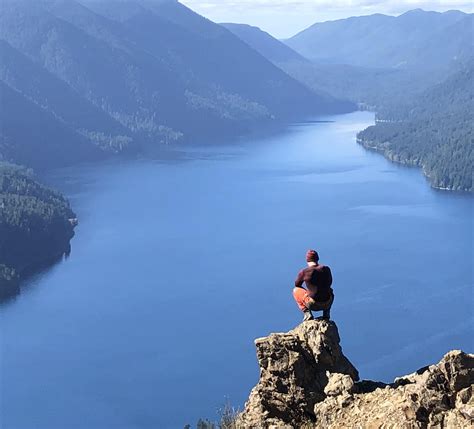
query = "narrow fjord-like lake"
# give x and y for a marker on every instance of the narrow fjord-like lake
(179, 264)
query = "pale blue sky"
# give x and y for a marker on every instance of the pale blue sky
(284, 18)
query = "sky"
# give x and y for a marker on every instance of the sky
(284, 18)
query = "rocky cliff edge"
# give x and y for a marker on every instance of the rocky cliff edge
(306, 381)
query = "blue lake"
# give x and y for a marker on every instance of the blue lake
(179, 264)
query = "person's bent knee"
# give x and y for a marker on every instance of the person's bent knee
(300, 295)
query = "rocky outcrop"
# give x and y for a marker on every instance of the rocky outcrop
(294, 370)
(305, 380)
(438, 396)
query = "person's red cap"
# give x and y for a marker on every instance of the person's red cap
(312, 256)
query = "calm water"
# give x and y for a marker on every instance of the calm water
(178, 265)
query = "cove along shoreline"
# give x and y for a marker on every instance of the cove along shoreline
(183, 152)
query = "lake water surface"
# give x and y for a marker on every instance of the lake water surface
(178, 265)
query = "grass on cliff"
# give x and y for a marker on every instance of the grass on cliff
(228, 419)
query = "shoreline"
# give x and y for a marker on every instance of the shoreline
(370, 145)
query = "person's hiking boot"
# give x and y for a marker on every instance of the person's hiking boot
(308, 316)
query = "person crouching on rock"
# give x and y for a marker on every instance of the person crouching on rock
(318, 295)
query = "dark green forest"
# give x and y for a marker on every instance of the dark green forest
(433, 131)
(36, 225)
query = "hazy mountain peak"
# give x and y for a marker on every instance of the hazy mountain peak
(386, 41)
(417, 11)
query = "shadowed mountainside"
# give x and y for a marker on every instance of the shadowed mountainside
(83, 80)
(274, 50)
(117, 75)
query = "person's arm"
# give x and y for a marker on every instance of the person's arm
(299, 279)
(329, 276)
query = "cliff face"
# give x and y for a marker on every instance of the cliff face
(294, 370)
(305, 379)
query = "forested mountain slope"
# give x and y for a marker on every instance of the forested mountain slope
(424, 102)
(36, 225)
(33, 136)
(274, 50)
(434, 131)
(120, 74)
(373, 85)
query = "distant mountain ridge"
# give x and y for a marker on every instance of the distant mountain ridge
(372, 61)
(424, 102)
(341, 81)
(413, 39)
(264, 43)
(120, 74)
